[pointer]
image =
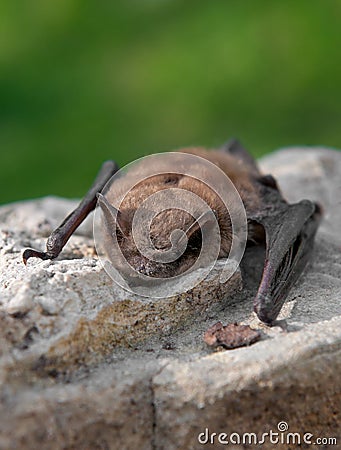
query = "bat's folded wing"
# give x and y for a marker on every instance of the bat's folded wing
(289, 232)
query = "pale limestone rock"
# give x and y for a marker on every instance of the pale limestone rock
(83, 365)
(22, 302)
(312, 173)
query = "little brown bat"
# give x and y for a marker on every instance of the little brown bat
(286, 230)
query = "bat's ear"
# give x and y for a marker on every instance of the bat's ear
(234, 148)
(194, 232)
(206, 219)
(113, 217)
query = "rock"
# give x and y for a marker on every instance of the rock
(41, 216)
(81, 315)
(84, 365)
(109, 408)
(21, 302)
(293, 378)
(312, 173)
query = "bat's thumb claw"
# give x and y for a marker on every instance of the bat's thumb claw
(30, 253)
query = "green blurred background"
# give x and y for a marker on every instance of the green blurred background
(84, 81)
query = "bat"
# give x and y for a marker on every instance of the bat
(286, 230)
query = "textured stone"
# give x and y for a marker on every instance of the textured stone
(80, 315)
(293, 377)
(312, 173)
(83, 365)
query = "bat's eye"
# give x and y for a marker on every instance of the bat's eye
(171, 179)
(195, 241)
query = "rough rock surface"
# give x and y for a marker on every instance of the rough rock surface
(83, 365)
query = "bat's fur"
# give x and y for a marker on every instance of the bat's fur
(172, 219)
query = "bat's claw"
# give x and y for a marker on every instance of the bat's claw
(30, 253)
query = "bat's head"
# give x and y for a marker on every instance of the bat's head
(165, 227)
(164, 247)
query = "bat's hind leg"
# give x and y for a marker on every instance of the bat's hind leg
(61, 235)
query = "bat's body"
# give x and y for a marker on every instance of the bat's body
(287, 231)
(173, 219)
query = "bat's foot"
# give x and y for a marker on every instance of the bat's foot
(280, 324)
